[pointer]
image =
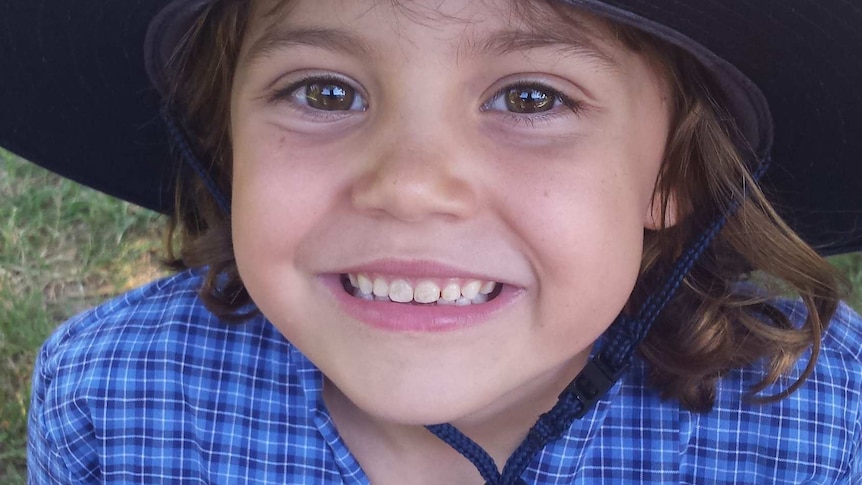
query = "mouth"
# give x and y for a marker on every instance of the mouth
(426, 292)
(419, 298)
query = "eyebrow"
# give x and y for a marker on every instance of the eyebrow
(508, 41)
(497, 43)
(331, 39)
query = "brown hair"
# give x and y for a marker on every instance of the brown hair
(721, 318)
(716, 322)
(201, 80)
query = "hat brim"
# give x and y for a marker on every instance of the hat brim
(76, 98)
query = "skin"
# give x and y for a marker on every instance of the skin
(429, 166)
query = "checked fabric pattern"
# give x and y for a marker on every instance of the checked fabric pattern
(152, 388)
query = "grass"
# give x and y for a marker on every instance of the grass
(851, 266)
(64, 248)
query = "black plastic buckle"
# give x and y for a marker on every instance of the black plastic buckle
(592, 383)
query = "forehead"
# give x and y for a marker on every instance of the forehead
(429, 10)
(519, 24)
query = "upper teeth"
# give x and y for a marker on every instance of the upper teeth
(401, 290)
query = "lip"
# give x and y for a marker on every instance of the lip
(399, 317)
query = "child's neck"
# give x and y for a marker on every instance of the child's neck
(391, 453)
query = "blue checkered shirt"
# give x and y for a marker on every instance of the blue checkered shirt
(152, 388)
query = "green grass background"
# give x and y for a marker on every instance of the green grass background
(64, 248)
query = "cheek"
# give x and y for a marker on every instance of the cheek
(592, 247)
(586, 200)
(585, 244)
(581, 216)
(277, 199)
(282, 196)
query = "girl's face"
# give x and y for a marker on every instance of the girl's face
(425, 150)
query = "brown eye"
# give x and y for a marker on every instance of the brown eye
(528, 99)
(329, 96)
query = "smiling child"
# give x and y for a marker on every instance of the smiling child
(462, 242)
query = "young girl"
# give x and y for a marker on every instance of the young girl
(456, 241)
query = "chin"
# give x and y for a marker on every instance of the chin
(419, 401)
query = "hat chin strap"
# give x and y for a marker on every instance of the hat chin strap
(182, 145)
(600, 374)
(602, 371)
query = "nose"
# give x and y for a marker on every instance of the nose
(413, 179)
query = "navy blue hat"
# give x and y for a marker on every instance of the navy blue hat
(77, 96)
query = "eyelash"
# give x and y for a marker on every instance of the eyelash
(288, 92)
(530, 119)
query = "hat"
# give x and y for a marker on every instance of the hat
(76, 98)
